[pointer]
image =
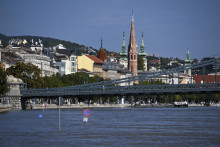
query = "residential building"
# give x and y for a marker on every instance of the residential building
(114, 71)
(37, 46)
(66, 61)
(39, 60)
(200, 79)
(90, 63)
(9, 59)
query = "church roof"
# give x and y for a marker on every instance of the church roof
(102, 54)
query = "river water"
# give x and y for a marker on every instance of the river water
(192, 126)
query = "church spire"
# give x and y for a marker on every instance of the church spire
(132, 51)
(142, 51)
(132, 19)
(188, 60)
(123, 47)
(101, 43)
(187, 54)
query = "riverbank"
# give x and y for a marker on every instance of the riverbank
(69, 106)
(72, 106)
(5, 107)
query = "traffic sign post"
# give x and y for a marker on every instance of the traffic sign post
(86, 113)
(59, 113)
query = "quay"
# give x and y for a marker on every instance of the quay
(5, 107)
(75, 106)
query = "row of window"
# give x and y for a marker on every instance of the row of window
(132, 57)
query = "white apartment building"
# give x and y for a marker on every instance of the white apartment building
(39, 60)
(65, 61)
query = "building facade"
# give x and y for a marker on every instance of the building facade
(66, 61)
(90, 63)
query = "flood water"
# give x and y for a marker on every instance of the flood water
(192, 126)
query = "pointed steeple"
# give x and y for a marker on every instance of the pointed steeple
(142, 51)
(132, 51)
(101, 44)
(187, 60)
(123, 52)
(132, 19)
(187, 54)
(101, 53)
(123, 43)
(132, 41)
(123, 47)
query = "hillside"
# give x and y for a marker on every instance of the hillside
(49, 42)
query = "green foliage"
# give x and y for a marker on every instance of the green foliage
(140, 63)
(29, 74)
(70, 80)
(3, 82)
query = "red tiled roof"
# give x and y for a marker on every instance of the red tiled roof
(95, 59)
(154, 61)
(208, 78)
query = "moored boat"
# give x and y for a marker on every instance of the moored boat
(181, 104)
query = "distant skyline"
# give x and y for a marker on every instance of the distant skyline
(169, 26)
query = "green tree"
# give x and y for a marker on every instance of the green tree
(29, 74)
(3, 82)
(140, 63)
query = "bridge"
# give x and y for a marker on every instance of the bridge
(112, 88)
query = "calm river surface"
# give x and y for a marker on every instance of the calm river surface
(192, 126)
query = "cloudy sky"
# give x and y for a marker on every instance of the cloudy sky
(169, 26)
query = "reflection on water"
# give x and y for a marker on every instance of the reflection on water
(112, 127)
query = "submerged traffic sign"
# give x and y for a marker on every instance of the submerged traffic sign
(86, 112)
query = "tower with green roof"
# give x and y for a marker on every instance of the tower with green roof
(188, 62)
(142, 52)
(123, 59)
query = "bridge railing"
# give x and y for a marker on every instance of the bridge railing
(119, 89)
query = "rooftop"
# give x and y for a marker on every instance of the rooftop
(95, 59)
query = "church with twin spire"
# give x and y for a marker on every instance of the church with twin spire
(129, 58)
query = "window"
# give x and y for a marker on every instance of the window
(72, 64)
(131, 57)
(73, 58)
(73, 70)
(134, 57)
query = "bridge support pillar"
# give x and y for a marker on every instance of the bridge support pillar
(13, 96)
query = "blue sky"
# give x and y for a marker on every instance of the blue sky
(169, 26)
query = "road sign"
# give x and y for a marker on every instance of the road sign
(86, 112)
